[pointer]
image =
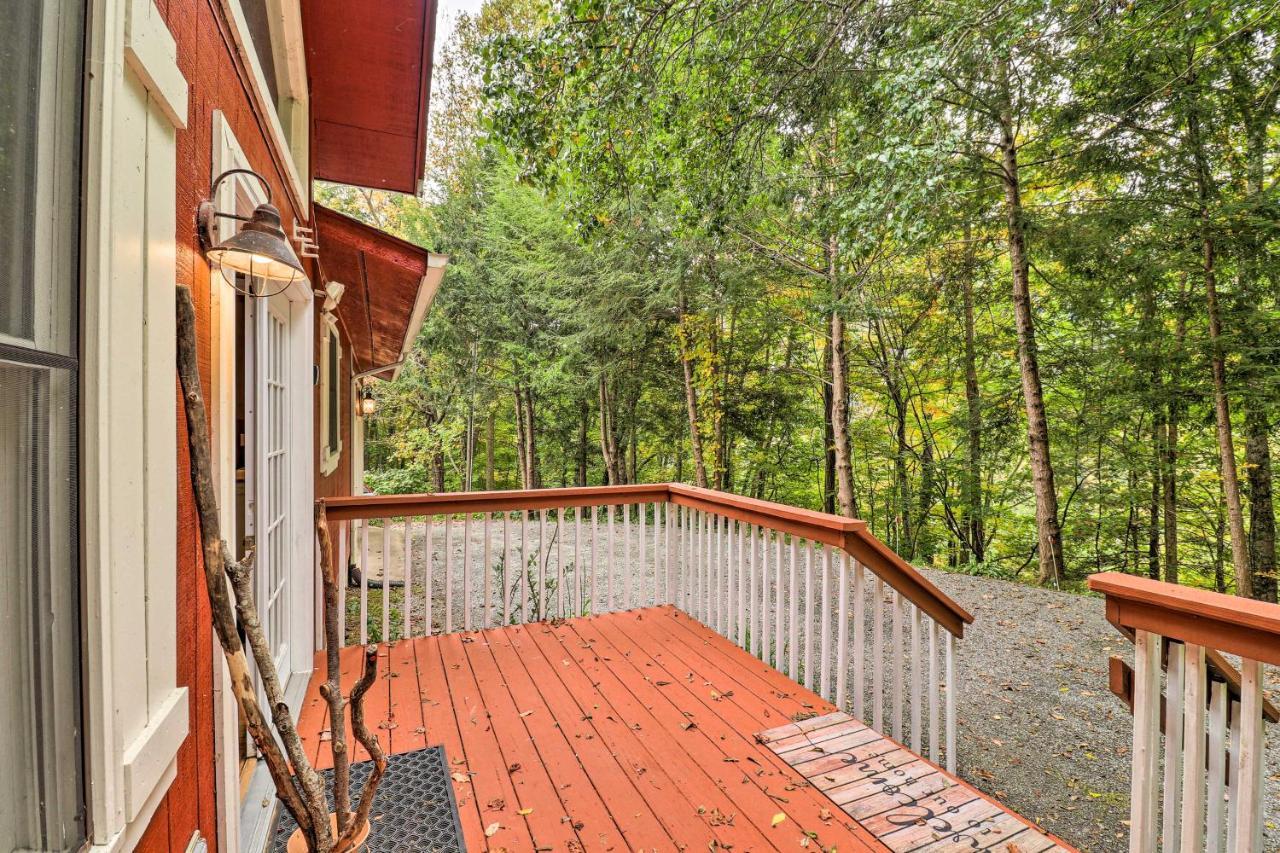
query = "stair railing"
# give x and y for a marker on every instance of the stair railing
(1198, 721)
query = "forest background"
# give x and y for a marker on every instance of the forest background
(998, 278)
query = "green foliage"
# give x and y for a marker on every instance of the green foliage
(626, 189)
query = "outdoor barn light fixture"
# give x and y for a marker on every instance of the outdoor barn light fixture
(368, 405)
(260, 250)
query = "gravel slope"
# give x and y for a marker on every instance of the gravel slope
(1037, 726)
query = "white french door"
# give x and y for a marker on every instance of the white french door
(272, 518)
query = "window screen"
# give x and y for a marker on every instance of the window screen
(42, 798)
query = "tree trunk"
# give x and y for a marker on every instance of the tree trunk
(490, 429)
(902, 486)
(691, 404)
(534, 476)
(1222, 418)
(522, 451)
(925, 547)
(845, 501)
(1048, 530)
(608, 439)
(437, 468)
(1153, 524)
(972, 523)
(1155, 392)
(1221, 405)
(1169, 468)
(584, 420)
(828, 436)
(1262, 514)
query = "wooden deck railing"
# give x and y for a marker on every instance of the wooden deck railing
(815, 595)
(1200, 786)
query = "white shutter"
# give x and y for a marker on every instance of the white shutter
(137, 716)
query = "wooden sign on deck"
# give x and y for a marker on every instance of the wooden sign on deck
(908, 803)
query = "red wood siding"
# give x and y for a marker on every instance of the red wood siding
(217, 83)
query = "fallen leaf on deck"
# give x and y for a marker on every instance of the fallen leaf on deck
(778, 818)
(492, 830)
(524, 812)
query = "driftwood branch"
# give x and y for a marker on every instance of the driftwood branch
(366, 738)
(331, 689)
(297, 784)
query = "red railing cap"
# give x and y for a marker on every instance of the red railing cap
(1242, 626)
(849, 534)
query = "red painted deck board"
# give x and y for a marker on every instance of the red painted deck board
(632, 730)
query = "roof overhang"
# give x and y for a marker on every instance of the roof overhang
(390, 284)
(369, 68)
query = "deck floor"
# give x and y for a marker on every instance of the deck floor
(633, 730)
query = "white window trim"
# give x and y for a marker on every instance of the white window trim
(126, 781)
(290, 57)
(329, 458)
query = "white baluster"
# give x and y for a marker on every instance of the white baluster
(386, 580)
(740, 589)
(544, 556)
(364, 580)
(1233, 774)
(779, 591)
(1193, 775)
(608, 559)
(897, 667)
(672, 531)
(935, 693)
(448, 574)
(1170, 834)
(1146, 743)
(810, 590)
(343, 576)
(576, 604)
(824, 611)
(722, 574)
(793, 640)
(917, 678)
(627, 567)
(1215, 826)
(642, 569)
(522, 575)
(595, 558)
(877, 655)
(466, 572)
(406, 629)
(767, 654)
(560, 562)
(859, 640)
(1248, 811)
(842, 636)
(507, 562)
(427, 593)
(753, 615)
(953, 700)
(488, 570)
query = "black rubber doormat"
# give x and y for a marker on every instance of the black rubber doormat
(414, 809)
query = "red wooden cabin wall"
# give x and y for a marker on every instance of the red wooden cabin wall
(217, 81)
